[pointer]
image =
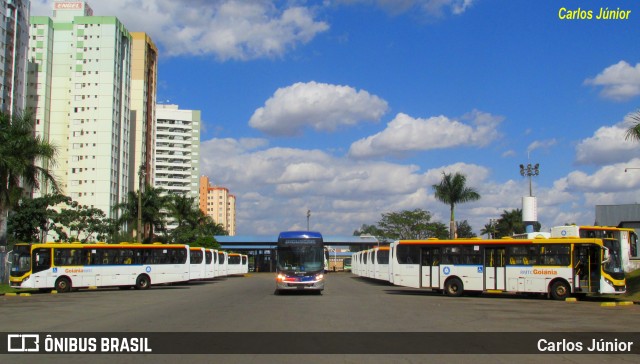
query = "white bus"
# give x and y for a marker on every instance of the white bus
(63, 266)
(198, 264)
(557, 267)
(237, 264)
(210, 263)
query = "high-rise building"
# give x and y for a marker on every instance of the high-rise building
(14, 43)
(144, 76)
(79, 78)
(177, 150)
(217, 202)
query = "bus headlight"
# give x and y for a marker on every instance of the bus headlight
(319, 277)
(609, 282)
(280, 277)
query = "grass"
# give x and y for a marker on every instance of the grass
(4, 288)
(633, 286)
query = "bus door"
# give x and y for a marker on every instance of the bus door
(41, 261)
(430, 268)
(586, 268)
(494, 270)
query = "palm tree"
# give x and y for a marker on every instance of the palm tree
(633, 133)
(154, 203)
(489, 230)
(21, 153)
(452, 190)
(510, 223)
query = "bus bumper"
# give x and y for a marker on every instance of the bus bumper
(282, 283)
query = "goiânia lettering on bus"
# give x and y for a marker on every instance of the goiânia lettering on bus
(539, 271)
(77, 270)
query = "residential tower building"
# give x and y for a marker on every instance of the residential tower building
(217, 202)
(79, 87)
(14, 43)
(177, 150)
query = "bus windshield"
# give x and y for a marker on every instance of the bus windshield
(20, 260)
(300, 258)
(614, 263)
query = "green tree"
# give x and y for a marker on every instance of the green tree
(32, 219)
(368, 230)
(415, 224)
(83, 223)
(633, 132)
(155, 202)
(20, 153)
(452, 190)
(464, 230)
(194, 226)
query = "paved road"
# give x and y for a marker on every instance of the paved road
(348, 304)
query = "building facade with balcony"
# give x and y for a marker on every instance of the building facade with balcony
(79, 87)
(14, 44)
(177, 150)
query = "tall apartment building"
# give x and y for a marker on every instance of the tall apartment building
(14, 43)
(79, 78)
(217, 202)
(177, 150)
(144, 76)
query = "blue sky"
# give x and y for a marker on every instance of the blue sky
(354, 108)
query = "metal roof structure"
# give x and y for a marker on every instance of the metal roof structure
(269, 241)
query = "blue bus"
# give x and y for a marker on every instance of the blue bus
(300, 261)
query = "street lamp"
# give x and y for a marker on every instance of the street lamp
(530, 171)
(625, 170)
(308, 216)
(141, 174)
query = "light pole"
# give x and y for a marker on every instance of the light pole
(141, 175)
(625, 170)
(308, 216)
(529, 171)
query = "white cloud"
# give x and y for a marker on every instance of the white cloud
(541, 144)
(321, 106)
(620, 81)
(606, 146)
(429, 7)
(407, 134)
(278, 185)
(227, 29)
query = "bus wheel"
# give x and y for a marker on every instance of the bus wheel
(560, 290)
(453, 287)
(143, 282)
(63, 284)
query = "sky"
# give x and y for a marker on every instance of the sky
(355, 108)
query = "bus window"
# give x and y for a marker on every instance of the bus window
(41, 259)
(408, 254)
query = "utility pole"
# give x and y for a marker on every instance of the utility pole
(308, 216)
(141, 175)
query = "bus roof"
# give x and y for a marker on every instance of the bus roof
(504, 241)
(100, 245)
(300, 235)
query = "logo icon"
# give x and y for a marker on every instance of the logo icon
(479, 269)
(446, 270)
(21, 343)
(148, 269)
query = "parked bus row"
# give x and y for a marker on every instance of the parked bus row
(63, 266)
(558, 267)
